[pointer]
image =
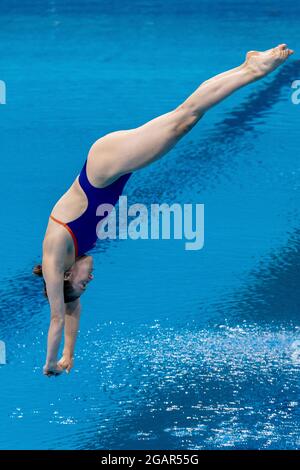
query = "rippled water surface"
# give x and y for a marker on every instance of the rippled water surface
(177, 349)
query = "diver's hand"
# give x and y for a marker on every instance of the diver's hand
(52, 368)
(66, 362)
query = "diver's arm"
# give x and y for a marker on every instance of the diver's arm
(53, 272)
(72, 318)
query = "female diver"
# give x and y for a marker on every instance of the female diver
(71, 230)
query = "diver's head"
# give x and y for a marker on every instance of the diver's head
(80, 274)
(76, 278)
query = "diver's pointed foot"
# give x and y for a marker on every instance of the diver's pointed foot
(263, 63)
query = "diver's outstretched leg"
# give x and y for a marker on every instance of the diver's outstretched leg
(125, 151)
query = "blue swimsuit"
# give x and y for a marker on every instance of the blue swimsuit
(83, 229)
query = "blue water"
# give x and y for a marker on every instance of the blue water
(177, 349)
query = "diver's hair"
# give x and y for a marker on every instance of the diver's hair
(69, 295)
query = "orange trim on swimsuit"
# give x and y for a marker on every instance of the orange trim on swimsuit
(70, 232)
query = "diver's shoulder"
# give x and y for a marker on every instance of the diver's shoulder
(56, 240)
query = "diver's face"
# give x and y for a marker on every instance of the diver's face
(81, 273)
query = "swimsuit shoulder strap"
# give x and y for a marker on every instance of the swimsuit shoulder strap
(69, 230)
